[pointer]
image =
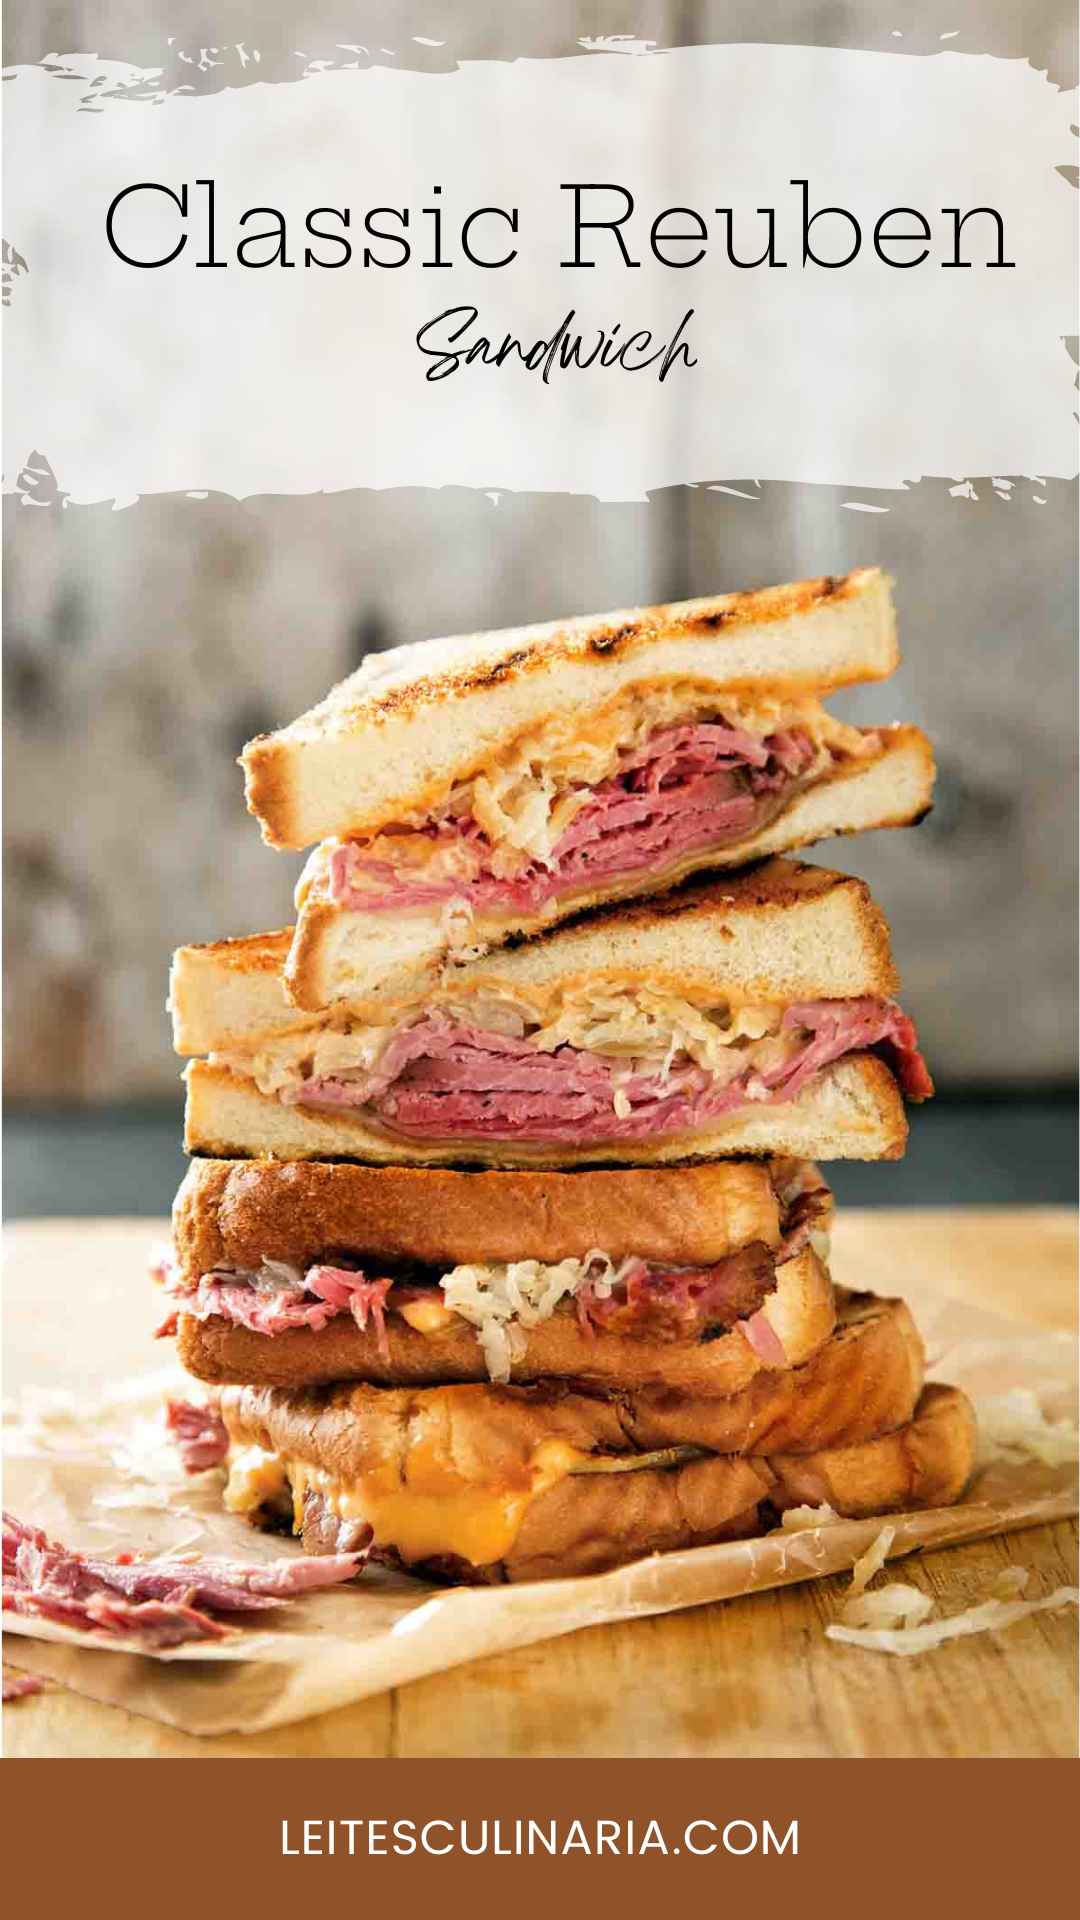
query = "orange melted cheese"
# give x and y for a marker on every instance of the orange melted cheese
(427, 1316)
(435, 1512)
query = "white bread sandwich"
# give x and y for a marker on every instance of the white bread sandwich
(750, 1015)
(467, 790)
(694, 1279)
(482, 1484)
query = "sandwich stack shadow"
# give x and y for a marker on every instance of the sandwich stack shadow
(504, 1250)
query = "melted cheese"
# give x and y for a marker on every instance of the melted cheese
(435, 1512)
(255, 1479)
(427, 1316)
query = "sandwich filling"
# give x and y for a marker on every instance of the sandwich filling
(503, 1301)
(642, 786)
(593, 1065)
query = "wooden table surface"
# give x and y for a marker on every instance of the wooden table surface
(753, 1677)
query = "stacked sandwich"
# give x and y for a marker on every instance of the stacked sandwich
(503, 1251)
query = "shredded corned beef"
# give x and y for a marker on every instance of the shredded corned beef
(200, 1434)
(441, 1079)
(766, 1342)
(680, 1303)
(157, 1601)
(154, 1624)
(689, 787)
(269, 1303)
(683, 1303)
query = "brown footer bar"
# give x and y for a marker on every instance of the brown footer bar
(874, 1838)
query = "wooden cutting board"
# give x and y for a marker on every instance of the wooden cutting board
(751, 1678)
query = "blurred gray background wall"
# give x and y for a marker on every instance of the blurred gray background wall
(143, 647)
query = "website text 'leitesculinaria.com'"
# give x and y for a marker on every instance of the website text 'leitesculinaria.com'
(524, 1839)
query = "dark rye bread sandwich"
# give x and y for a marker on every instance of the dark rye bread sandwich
(696, 1278)
(492, 1483)
(490, 785)
(746, 1015)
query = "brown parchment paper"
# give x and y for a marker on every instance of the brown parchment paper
(97, 1472)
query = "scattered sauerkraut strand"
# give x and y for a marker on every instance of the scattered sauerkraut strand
(798, 1519)
(1014, 1424)
(895, 1619)
(886, 1608)
(500, 1301)
(870, 1562)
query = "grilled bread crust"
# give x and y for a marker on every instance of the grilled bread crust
(853, 1110)
(586, 1523)
(925, 1463)
(863, 1381)
(591, 1523)
(229, 992)
(341, 954)
(231, 1213)
(801, 1309)
(401, 731)
(779, 932)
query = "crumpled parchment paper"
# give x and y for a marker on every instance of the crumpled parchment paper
(97, 1472)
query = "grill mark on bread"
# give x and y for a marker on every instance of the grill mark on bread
(614, 638)
(767, 605)
(501, 669)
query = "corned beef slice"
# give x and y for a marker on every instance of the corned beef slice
(691, 786)
(156, 1601)
(442, 1080)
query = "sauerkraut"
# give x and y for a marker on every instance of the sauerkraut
(500, 1301)
(896, 1620)
(1014, 1425)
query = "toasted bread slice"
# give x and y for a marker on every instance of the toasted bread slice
(400, 732)
(782, 932)
(229, 993)
(483, 1484)
(237, 1213)
(339, 953)
(926, 1463)
(852, 1110)
(862, 1381)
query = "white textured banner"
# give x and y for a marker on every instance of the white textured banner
(285, 348)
